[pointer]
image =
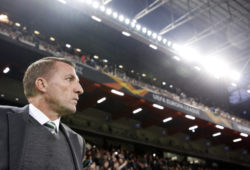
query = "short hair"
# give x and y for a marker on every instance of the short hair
(37, 69)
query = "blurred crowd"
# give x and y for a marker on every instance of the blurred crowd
(117, 159)
(42, 42)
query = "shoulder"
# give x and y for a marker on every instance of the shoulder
(70, 131)
(5, 109)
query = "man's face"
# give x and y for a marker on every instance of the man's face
(63, 89)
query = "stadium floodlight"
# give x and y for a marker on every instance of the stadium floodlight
(159, 38)
(115, 15)
(95, 5)
(127, 21)
(68, 45)
(164, 40)
(102, 8)
(137, 110)
(109, 11)
(62, 1)
(105, 60)
(234, 84)
(216, 134)
(219, 127)
(126, 33)
(89, 2)
(197, 68)
(138, 27)
(96, 57)
(119, 93)
(237, 140)
(244, 135)
(144, 30)
(154, 35)
(167, 119)
(121, 18)
(6, 70)
(193, 127)
(169, 43)
(120, 66)
(96, 18)
(101, 100)
(153, 46)
(158, 106)
(163, 83)
(176, 58)
(248, 91)
(190, 117)
(17, 24)
(234, 75)
(149, 33)
(187, 53)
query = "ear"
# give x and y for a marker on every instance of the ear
(41, 84)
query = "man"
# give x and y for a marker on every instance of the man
(32, 137)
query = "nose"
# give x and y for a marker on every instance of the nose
(79, 90)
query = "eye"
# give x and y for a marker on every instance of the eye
(69, 78)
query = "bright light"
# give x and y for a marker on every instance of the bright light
(52, 39)
(78, 50)
(197, 68)
(144, 30)
(154, 35)
(105, 60)
(138, 27)
(167, 119)
(96, 5)
(190, 117)
(101, 100)
(234, 84)
(109, 11)
(132, 71)
(117, 92)
(153, 46)
(158, 106)
(6, 70)
(144, 75)
(4, 18)
(164, 41)
(137, 110)
(89, 2)
(176, 58)
(188, 53)
(127, 21)
(248, 91)
(149, 33)
(17, 24)
(193, 127)
(120, 66)
(102, 8)
(121, 18)
(237, 140)
(68, 45)
(169, 43)
(115, 15)
(244, 135)
(216, 134)
(154, 155)
(96, 18)
(96, 57)
(126, 33)
(219, 127)
(62, 1)
(234, 75)
(163, 83)
(159, 38)
(36, 32)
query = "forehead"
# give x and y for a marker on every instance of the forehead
(64, 67)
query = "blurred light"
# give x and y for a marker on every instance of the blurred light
(144, 75)
(163, 83)
(17, 99)
(101, 100)
(188, 53)
(109, 11)
(171, 86)
(216, 134)
(144, 30)
(149, 33)
(78, 50)
(154, 35)
(2, 95)
(132, 71)
(197, 68)
(133, 23)
(237, 140)
(190, 117)
(153, 46)
(120, 66)
(96, 5)
(158, 106)
(17, 24)
(193, 127)
(36, 32)
(138, 27)
(121, 18)
(4, 18)
(177, 58)
(127, 21)
(68, 45)
(96, 57)
(102, 8)
(234, 75)
(154, 155)
(62, 1)
(96, 18)
(219, 127)
(115, 15)
(137, 110)
(167, 119)
(244, 135)
(126, 33)
(234, 84)
(164, 41)
(116, 153)
(154, 79)
(89, 2)
(159, 38)
(52, 39)
(105, 60)
(6, 70)
(169, 43)
(117, 92)
(248, 91)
